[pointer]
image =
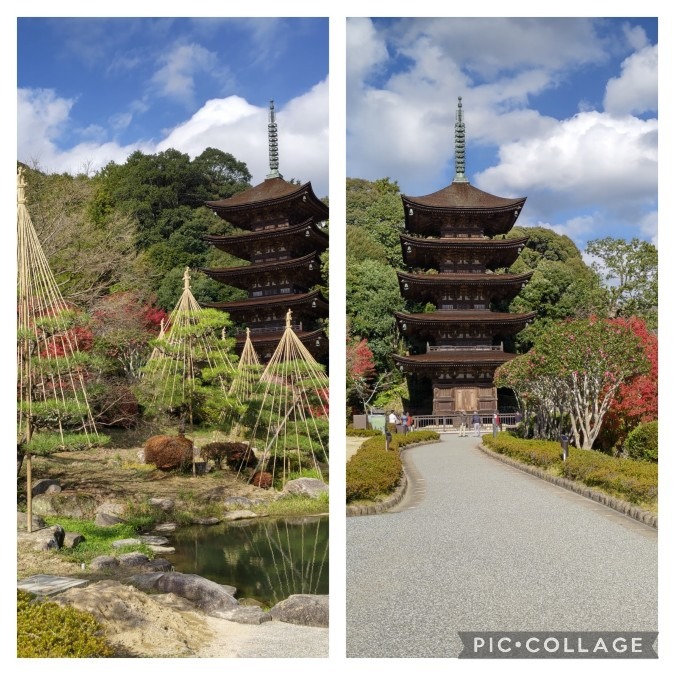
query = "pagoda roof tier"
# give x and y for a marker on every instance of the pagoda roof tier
(453, 360)
(464, 206)
(304, 303)
(431, 252)
(270, 340)
(301, 238)
(272, 195)
(307, 268)
(421, 282)
(434, 322)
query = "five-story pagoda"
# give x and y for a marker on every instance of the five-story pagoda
(282, 238)
(454, 242)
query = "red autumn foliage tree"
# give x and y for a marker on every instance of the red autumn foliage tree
(637, 400)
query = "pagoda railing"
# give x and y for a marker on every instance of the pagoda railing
(451, 423)
(267, 329)
(465, 348)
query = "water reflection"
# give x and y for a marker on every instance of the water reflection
(267, 559)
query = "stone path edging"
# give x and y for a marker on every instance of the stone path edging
(624, 507)
(394, 498)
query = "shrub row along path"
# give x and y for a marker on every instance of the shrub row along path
(479, 546)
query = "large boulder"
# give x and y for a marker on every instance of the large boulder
(133, 559)
(249, 615)
(121, 543)
(69, 505)
(46, 485)
(45, 539)
(72, 539)
(240, 515)
(207, 595)
(22, 521)
(164, 503)
(308, 487)
(104, 562)
(304, 610)
(109, 514)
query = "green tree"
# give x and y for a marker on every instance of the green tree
(630, 272)
(584, 363)
(375, 207)
(372, 298)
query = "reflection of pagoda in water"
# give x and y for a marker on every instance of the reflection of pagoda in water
(450, 237)
(282, 239)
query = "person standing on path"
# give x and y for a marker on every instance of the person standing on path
(404, 422)
(475, 420)
(462, 423)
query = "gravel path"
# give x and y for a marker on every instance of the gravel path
(478, 545)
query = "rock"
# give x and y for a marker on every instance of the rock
(207, 595)
(153, 541)
(133, 559)
(104, 562)
(229, 589)
(240, 502)
(250, 602)
(72, 539)
(240, 515)
(119, 543)
(63, 504)
(164, 503)
(43, 485)
(22, 521)
(309, 487)
(248, 615)
(109, 513)
(141, 456)
(205, 520)
(166, 527)
(45, 539)
(304, 610)
(166, 550)
(158, 565)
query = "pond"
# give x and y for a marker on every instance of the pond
(266, 559)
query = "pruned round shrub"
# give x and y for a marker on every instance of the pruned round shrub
(168, 452)
(47, 630)
(643, 442)
(262, 479)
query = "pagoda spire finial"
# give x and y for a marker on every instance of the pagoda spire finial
(273, 144)
(460, 146)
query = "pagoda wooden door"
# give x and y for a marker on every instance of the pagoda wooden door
(466, 399)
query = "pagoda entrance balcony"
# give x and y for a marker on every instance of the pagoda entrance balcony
(297, 327)
(465, 348)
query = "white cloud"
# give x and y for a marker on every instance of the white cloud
(590, 158)
(41, 116)
(230, 124)
(175, 79)
(636, 89)
(365, 49)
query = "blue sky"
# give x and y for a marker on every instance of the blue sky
(93, 90)
(561, 111)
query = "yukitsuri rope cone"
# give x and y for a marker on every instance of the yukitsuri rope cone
(185, 350)
(291, 428)
(243, 388)
(50, 367)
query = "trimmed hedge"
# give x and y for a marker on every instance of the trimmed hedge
(628, 479)
(374, 471)
(363, 432)
(643, 442)
(48, 630)
(536, 453)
